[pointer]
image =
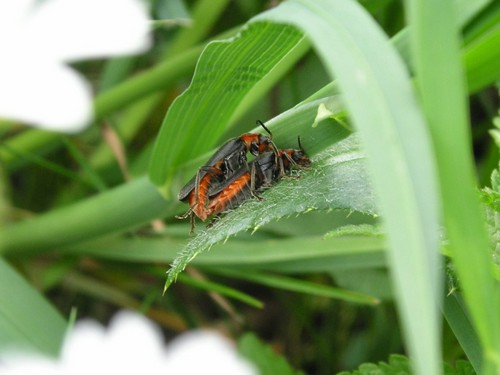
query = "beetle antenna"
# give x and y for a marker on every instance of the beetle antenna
(300, 146)
(265, 128)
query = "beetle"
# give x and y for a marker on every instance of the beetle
(227, 160)
(289, 158)
(211, 185)
(230, 157)
(263, 171)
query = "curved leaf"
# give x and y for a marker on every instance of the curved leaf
(226, 73)
(441, 83)
(337, 179)
(295, 254)
(379, 97)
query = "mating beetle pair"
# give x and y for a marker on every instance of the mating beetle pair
(263, 171)
(227, 179)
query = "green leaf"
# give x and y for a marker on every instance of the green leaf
(263, 357)
(478, 17)
(482, 57)
(380, 99)
(4, 206)
(116, 70)
(441, 84)
(459, 321)
(337, 179)
(222, 289)
(226, 73)
(362, 230)
(371, 281)
(204, 14)
(491, 200)
(99, 215)
(171, 9)
(27, 320)
(299, 255)
(297, 285)
(400, 365)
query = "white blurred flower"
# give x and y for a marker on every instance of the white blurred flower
(38, 38)
(134, 345)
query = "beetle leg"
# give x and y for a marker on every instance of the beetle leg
(214, 220)
(276, 153)
(281, 167)
(183, 216)
(191, 215)
(253, 190)
(292, 162)
(193, 224)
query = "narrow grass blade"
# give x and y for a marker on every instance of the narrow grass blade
(441, 82)
(380, 100)
(297, 285)
(94, 217)
(299, 255)
(223, 290)
(19, 329)
(482, 60)
(461, 325)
